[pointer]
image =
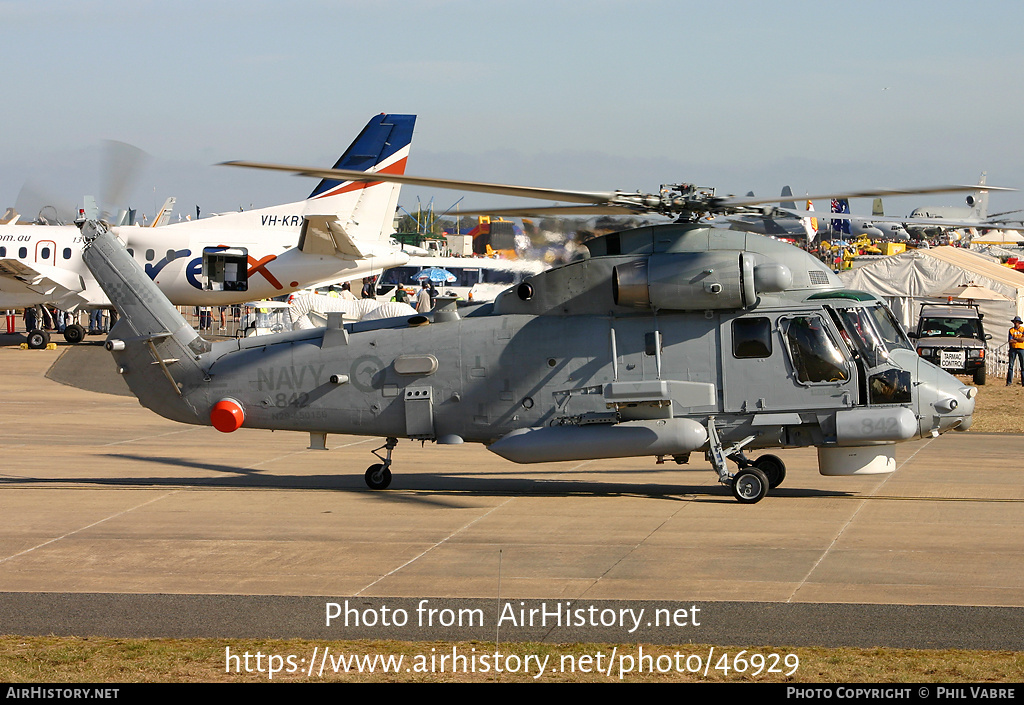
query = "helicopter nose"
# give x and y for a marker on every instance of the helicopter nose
(970, 393)
(944, 402)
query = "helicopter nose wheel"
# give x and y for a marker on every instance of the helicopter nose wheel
(749, 485)
(378, 475)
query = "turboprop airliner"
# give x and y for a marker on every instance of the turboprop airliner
(341, 231)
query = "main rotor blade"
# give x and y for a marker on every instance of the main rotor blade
(732, 201)
(623, 202)
(526, 211)
(454, 184)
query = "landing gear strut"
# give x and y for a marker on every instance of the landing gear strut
(378, 475)
(752, 480)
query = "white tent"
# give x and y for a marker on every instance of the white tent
(998, 237)
(907, 280)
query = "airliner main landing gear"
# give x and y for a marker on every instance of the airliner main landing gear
(378, 475)
(74, 334)
(37, 339)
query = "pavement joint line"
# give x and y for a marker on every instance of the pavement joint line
(146, 438)
(937, 499)
(89, 526)
(453, 534)
(638, 544)
(301, 452)
(425, 552)
(849, 521)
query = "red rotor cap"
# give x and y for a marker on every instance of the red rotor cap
(227, 416)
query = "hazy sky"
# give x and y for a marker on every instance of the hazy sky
(586, 95)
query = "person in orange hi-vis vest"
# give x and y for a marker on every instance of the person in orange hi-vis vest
(1016, 340)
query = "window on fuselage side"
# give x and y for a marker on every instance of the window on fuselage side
(816, 356)
(751, 337)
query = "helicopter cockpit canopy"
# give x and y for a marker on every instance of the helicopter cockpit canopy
(873, 336)
(874, 333)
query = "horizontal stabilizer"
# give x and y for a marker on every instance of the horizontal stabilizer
(325, 235)
(17, 269)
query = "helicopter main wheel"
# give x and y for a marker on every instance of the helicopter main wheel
(38, 339)
(377, 477)
(773, 468)
(749, 485)
(74, 334)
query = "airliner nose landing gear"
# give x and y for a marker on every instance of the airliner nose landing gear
(378, 475)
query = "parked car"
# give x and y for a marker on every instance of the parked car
(952, 336)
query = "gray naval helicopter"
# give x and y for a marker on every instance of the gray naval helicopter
(666, 340)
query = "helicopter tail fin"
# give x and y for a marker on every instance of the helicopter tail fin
(156, 350)
(143, 307)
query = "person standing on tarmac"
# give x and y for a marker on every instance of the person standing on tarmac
(423, 303)
(1016, 341)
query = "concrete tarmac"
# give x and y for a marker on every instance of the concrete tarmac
(116, 521)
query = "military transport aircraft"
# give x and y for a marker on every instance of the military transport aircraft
(664, 341)
(922, 222)
(341, 231)
(839, 223)
(933, 220)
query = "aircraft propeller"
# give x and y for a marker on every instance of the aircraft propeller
(121, 163)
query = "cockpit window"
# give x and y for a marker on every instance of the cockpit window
(862, 335)
(892, 332)
(816, 356)
(873, 333)
(890, 386)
